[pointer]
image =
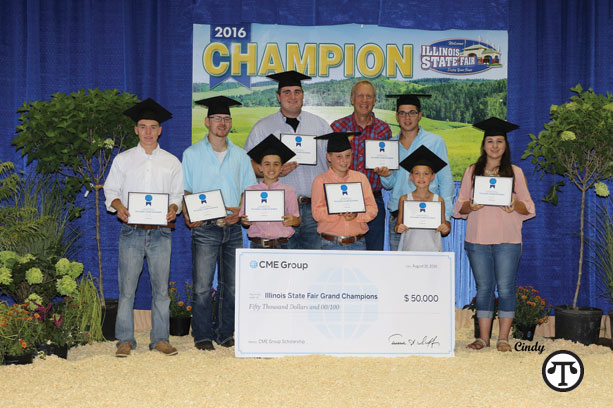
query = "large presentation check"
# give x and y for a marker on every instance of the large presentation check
(358, 303)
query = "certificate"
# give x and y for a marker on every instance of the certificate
(422, 214)
(205, 206)
(264, 205)
(295, 302)
(493, 190)
(148, 208)
(344, 197)
(379, 153)
(304, 146)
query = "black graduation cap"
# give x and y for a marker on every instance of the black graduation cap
(148, 109)
(288, 78)
(338, 141)
(271, 145)
(408, 99)
(218, 105)
(495, 127)
(423, 156)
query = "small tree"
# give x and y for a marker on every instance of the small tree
(76, 137)
(578, 145)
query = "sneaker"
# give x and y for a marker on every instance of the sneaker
(206, 345)
(165, 347)
(123, 349)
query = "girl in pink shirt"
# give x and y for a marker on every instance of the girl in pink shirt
(493, 233)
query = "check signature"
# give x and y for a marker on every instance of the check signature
(397, 339)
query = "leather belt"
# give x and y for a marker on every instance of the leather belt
(394, 213)
(270, 242)
(151, 227)
(342, 240)
(304, 200)
(219, 222)
(377, 194)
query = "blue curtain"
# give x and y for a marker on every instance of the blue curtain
(145, 46)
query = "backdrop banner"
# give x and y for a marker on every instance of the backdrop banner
(465, 71)
(294, 302)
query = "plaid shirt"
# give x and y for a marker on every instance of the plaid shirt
(378, 130)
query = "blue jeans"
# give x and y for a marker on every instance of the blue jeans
(394, 237)
(375, 237)
(494, 265)
(306, 236)
(134, 245)
(214, 246)
(356, 246)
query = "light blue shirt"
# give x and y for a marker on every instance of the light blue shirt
(309, 124)
(202, 171)
(401, 184)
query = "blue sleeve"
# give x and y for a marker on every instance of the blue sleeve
(445, 180)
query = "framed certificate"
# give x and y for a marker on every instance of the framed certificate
(379, 153)
(422, 214)
(148, 208)
(205, 206)
(344, 197)
(304, 146)
(496, 191)
(265, 205)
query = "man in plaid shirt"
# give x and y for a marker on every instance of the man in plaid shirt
(363, 98)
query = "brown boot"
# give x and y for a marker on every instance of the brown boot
(123, 349)
(165, 347)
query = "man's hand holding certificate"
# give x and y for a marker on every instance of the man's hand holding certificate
(208, 205)
(381, 153)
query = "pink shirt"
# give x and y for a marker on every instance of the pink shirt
(335, 224)
(276, 229)
(492, 225)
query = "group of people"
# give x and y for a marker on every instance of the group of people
(493, 236)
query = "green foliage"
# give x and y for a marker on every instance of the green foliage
(20, 330)
(576, 143)
(76, 135)
(602, 247)
(531, 308)
(180, 305)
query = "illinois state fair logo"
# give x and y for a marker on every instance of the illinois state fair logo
(461, 56)
(493, 183)
(148, 200)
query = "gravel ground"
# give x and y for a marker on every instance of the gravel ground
(93, 377)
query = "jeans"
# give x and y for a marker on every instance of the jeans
(306, 236)
(394, 237)
(214, 246)
(375, 237)
(134, 245)
(356, 246)
(494, 265)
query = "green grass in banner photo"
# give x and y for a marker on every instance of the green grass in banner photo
(462, 139)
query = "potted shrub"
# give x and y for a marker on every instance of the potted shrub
(576, 144)
(75, 137)
(180, 308)
(20, 332)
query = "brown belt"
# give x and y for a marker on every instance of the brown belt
(151, 227)
(377, 194)
(304, 200)
(269, 243)
(341, 239)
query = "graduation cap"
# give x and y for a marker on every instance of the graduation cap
(408, 99)
(495, 127)
(423, 156)
(288, 78)
(218, 105)
(271, 145)
(338, 141)
(148, 109)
